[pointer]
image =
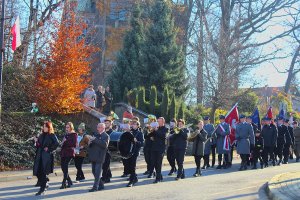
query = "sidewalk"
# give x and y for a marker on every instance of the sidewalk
(284, 186)
(115, 166)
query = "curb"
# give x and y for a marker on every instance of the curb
(272, 188)
(25, 175)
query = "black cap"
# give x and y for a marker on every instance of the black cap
(221, 117)
(206, 118)
(286, 120)
(257, 131)
(249, 117)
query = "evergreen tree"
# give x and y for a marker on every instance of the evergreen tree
(125, 95)
(126, 72)
(181, 111)
(173, 108)
(163, 60)
(153, 99)
(141, 105)
(165, 104)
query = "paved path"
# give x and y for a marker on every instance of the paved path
(214, 184)
(285, 186)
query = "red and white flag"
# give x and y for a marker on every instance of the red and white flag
(232, 118)
(15, 31)
(269, 113)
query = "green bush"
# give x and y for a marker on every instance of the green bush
(153, 100)
(173, 108)
(165, 104)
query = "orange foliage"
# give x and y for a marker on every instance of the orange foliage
(65, 71)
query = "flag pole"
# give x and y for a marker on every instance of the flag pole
(235, 105)
(1, 53)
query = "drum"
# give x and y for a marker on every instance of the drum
(126, 145)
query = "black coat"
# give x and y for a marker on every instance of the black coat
(159, 135)
(140, 140)
(179, 140)
(291, 132)
(148, 142)
(269, 133)
(259, 143)
(45, 158)
(283, 135)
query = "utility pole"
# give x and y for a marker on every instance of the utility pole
(1, 54)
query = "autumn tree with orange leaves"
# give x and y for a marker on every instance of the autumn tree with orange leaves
(64, 73)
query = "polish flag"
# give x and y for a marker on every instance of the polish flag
(232, 118)
(269, 113)
(15, 31)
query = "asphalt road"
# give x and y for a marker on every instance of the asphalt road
(214, 184)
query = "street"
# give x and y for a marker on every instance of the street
(214, 184)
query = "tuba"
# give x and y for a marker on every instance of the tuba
(193, 135)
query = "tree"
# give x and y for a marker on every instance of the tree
(141, 105)
(231, 29)
(163, 60)
(153, 100)
(181, 111)
(173, 108)
(64, 73)
(126, 71)
(247, 101)
(165, 104)
(125, 95)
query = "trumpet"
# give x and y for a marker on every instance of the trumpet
(176, 130)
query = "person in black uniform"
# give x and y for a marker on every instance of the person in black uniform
(147, 148)
(139, 142)
(258, 149)
(170, 149)
(269, 133)
(288, 142)
(106, 172)
(158, 148)
(180, 145)
(281, 139)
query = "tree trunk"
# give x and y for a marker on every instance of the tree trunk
(291, 73)
(200, 63)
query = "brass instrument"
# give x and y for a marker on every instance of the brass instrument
(193, 135)
(176, 130)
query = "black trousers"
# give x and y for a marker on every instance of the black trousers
(268, 151)
(42, 176)
(132, 167)
(179, 157)
(65, 167)
(126, 166)
(171, 157)
(244, 158)
(213, 154)
(147, 155)
(286, 152)
(257, 155)
(78, 164)
(106, 172)
(226, 158)
(279, 151)
(156, 162)
(198, 161)
(206, 160)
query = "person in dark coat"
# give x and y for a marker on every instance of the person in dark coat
(99, 98)
(281, 139)
(170, 148)
(98, 146)
(108, 99)
(297, 140)
(289, 138)
(269, 133)
(222, 131)
(258, 149)
(210, 144)
(68, 146)
(198, 138)
(244, 139)
(180, 144)
(147, 148)
(45, 145)
(106, 172)
(158, 148)
(139, 142)
(254, 126)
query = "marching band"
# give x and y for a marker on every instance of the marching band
(270, 143)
